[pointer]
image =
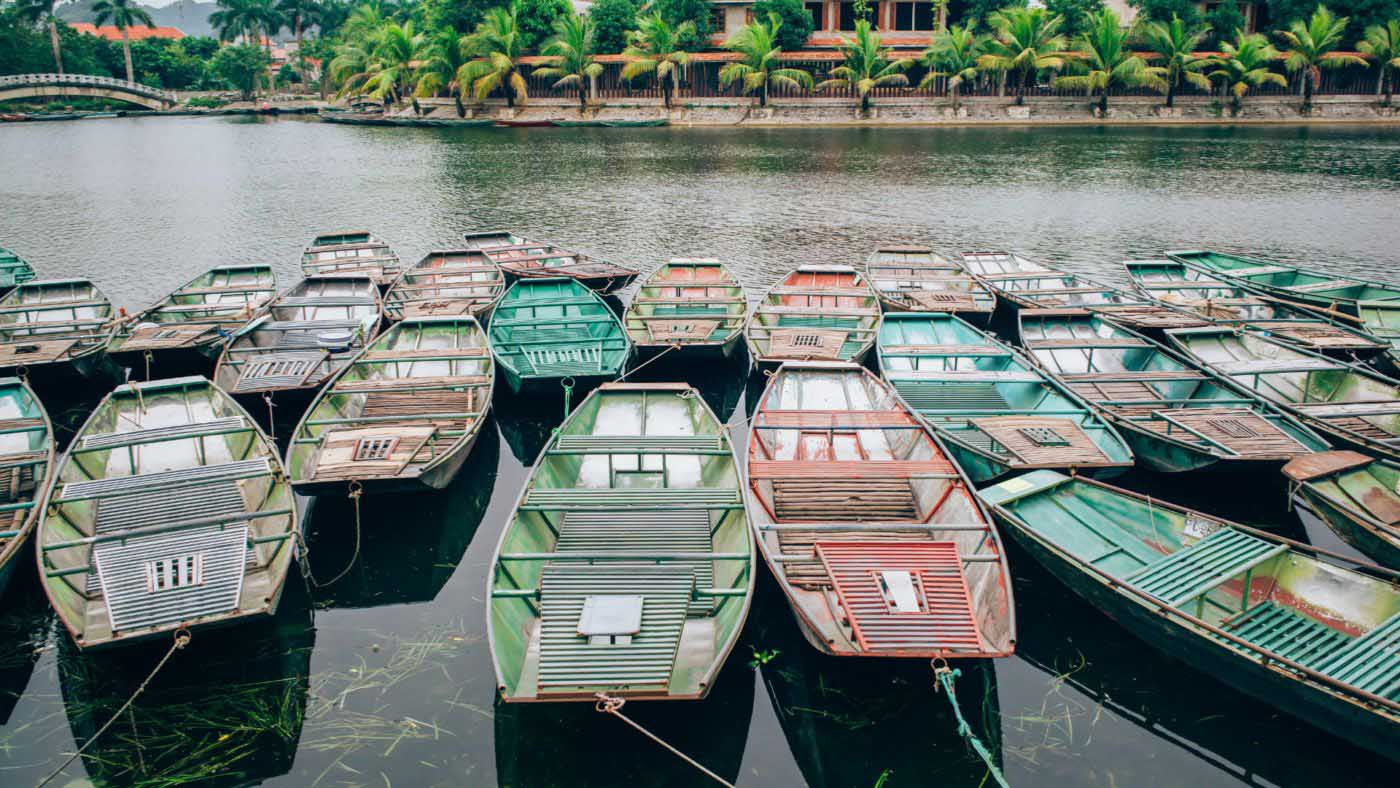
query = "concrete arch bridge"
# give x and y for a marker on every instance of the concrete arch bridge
(58, 86)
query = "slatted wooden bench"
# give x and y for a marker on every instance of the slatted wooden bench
(851, 469)
(1286, 632)
(1186, 574)
(613, 499)
(928, 395)
(645, 534)
(639, 444)
(165, 480)
(115, 440)
(1370, 662)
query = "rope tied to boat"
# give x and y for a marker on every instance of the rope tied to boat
(945, 677)
(567, 384)
(150, 359)
(611, 704)
(271, 420)
(356, 492)
(182, 639)
(673, 346)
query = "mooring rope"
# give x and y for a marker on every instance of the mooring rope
(271, 420)
(182, 639)
(567, 383)
(356, 492)
(608, 704)
(674, 346)
(150, 359)
(946, 676)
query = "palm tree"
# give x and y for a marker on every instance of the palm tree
(1024, 40)
(391, 62)
(270, 20)
(953, 54)
(299, 13)
(1104, 48)
(123, 14)
(236, 18)
(1245, 64)
(1382, 42)
(495, 49)
(1174, 43)
(866, 66)
(572, 50)
(656, 48)
(756, 70)
(438, 72)
(43, 11)
(1312, 47)
(941, 20)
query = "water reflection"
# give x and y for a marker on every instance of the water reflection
(24, 628)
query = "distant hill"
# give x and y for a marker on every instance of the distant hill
(191, 17)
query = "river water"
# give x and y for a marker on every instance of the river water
(384, 679)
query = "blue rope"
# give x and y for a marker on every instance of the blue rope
(568, 384)
(946, 676)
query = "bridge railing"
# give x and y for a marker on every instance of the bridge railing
(86, 80)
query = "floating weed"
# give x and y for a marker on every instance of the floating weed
(762, 657)
(1051, 728)
(883, 778)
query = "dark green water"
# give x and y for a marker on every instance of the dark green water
(384, 679)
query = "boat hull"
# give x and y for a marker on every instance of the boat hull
(981, 468)
(434, 478)
(981, 318)
(63, 378)
(170, 362)
(1355, 533)
(598, 284)
(1272, 685)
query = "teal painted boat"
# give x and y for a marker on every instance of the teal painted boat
(523, 258)
(170, 510)
(628, 565)
(1309, 632)
(817, 312)
(183, 333)
(548, 330)
(1357, 496)
(995, 410)
(1224, 303)
(26, 456)
(1027, 284)
(447, 282)
(1175, 415)
(56, 330)
(351, 253)
(692, 305)
(917, 279)
(14, 270)
(403, 415)
(1349, 403)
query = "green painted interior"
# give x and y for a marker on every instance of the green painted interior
(556, 315)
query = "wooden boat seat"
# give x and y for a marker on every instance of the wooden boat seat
(1286, 632)
(834, 419)
(806, 343)
(612, 499)
(115, 440)
(1315, 334)
(940, 300)
(1329, 410)
(18, 479)
(1186, 574)
(573, 663)
(645, 533)
(1269, 366)
(917, 351)
(1041, 440)
(828, 498)
(1241, 432)
(1128, 376)
(1331, 284)
(1370, 662)
(418, 384)
(426, 354)
(309, 325)
(379, 451)
(851, 469)
(822, 315)
(278, 370)
(638, 444)
(564, 360)
(46, 306)
(161, 337)
(846, 292)
(320, 301)
(1148, 316)
(1325, 463)
(934, 612)
(22, 352)
(669, 330)
(931, 395)
(1258, 270)
(166, 480)
(804, 567)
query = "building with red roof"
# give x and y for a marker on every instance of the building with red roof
(135, 33)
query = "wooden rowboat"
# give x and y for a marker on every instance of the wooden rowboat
(695, 304)
(183, 333)
(1350, 403)
(1176, 415)
(821, 312)
(310, 332)
(1027, 284)
(1308, 632)
(56, 330)
(1223, 303)
(403, 415)
(351, 253)
(26, 455)
(547, 331)
(1357, 496)
(917, 279)
(995, 410)
(523, 258)
(874, 534)
(14, 270)
(445, 283)
(627, 566)
(169, 511)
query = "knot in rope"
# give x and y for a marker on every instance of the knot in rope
(271, 420)
(568, 386)
(150, 359)
(944, 677)
(608, 704)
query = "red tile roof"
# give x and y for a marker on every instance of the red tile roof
(137, 33)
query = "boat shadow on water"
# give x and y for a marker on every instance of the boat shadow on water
(226, 710)
(1098, 669)
(409, 544)
(25, 622)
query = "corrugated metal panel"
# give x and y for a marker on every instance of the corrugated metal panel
(123, 576)
(162, 433)
(183, 477)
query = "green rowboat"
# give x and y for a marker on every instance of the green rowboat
(628, 565)
(1309, 632)
(1223, 303)
(57, 331)
(26, 455)
(169, 511)
(818, 312)
(183, 333)
(917, 279)
(1175, 415)
(444, 283)
(995, 411)
(694, 305)
(403, 415)
(351, 253)
(14, 270)
(1357, 496)
(1350, 403)
(872, 531)
(548, 330)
